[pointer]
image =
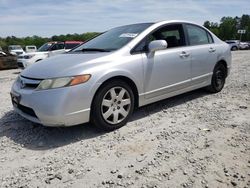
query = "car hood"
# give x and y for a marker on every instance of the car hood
(35, 53)
(64, 65)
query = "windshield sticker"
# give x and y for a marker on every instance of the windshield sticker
(129, 35)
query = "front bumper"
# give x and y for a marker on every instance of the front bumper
(66, 106)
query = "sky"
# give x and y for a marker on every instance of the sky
(46, 18)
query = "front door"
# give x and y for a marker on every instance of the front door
(167, 70)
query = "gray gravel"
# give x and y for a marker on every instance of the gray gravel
(192, 140)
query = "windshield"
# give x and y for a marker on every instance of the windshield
(15, 47)
(45, 47)
(113, 39)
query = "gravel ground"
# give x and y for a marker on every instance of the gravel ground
(192, 140)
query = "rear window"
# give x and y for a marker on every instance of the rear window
(71, 45)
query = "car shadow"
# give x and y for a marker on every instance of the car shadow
(168, 103)
(36, 137)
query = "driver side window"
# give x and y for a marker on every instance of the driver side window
(57, 47)
(172, 34)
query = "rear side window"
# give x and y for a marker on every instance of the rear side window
(198, 36)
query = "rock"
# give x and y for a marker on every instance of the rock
(233, 183)
(113, 171)
(47, 181)
(192, 160)
(58, 176)
(235, 176)
(120, 176)
(89, 169)
(234, 125)
(141, 158)
(70, 171)
(130, 166)
(243, 107)
(203, 182)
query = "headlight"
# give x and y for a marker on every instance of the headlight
(28, 56)
(63, 82)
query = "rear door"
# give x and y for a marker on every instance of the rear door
(203, 53)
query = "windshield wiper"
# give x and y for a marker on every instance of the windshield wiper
(94, 49)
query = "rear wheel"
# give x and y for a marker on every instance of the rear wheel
(218, 79)
(112, 106)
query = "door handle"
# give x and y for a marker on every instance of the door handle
(184, 54)
(211, 50)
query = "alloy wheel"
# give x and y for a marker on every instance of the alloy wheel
(115, 105)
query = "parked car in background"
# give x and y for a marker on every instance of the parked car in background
(244, 46)
(104, 79)
(30, 48)
(47, 50)
(7, 61)
(15, 50)
(234, 44)
(1, 51)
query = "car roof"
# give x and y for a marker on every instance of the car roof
(73, 41)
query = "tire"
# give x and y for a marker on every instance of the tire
(112, 105)
(234, 48)
(218, 78)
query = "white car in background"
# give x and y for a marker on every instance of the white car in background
(47, 50)
(30, 48)
(244, 45)
(15, 50)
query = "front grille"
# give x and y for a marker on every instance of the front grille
(18, 53)
(29, 83)
(25, 109)
(20, 65)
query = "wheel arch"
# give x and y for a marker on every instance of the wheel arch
(126, 79)
(38, 60)
(223, 62)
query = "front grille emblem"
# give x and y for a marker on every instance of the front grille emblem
(22, 84)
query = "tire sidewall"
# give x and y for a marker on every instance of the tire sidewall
(213, 84)
(96, 112)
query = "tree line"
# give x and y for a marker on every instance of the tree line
(39, 41)
(226, 29)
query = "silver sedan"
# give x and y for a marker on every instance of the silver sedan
(105, 79)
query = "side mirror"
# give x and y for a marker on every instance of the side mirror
(157, 45)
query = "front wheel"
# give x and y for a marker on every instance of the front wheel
(218, 79)
(112, 106)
